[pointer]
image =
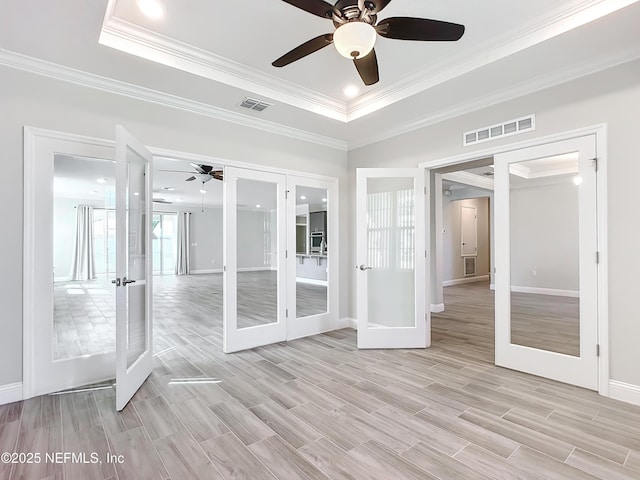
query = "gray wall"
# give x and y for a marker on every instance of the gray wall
(36, 101)
(605, 97)
(452, 267)
(544, 236)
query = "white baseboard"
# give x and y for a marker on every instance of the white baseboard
(311, 281)
(255, 269)
(204, 272)
(10, 393)
(546, 291)
(62, 279)
(625, 392)
(492, 287)
(460, 281)
(437, 307)
(350, 322)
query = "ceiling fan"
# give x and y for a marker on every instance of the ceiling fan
(202, 173)
(356, 23)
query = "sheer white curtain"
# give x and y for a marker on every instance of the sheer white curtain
(184, 233)
(83, 261)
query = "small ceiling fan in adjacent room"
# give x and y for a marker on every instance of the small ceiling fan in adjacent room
(202, 173)
(356, 23)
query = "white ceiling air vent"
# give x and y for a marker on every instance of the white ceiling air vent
(253, 104)
(512, 127)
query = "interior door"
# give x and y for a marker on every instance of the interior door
(133, 266)
(546, 267)
(391, 251)
(469, 231)
(254, 251)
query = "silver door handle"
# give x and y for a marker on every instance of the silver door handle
(364, 267)
(116, 282)
(126, 282)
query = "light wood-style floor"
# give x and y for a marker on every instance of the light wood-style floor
(318, 408)
(84, 311)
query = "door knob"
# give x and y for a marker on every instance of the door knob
(364, 267)
(126, 282)
(116, 282)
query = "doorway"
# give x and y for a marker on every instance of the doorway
(182, 244)
(548, 325)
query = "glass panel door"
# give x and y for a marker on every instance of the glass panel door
(254, 259)
(133, 266)
(312, 228)
(546, 273)
(391, 283)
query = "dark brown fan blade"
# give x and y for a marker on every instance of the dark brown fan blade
(316, 7)
(368, 68)
(206, 168)
(423, 29)
(377, 5)
(190, 179)
(218, 175)
(303, 50)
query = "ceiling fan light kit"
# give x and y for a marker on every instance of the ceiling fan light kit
(357, 26)
(354, 39)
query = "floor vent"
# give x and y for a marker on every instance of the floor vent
(512, 127)
(253, 104)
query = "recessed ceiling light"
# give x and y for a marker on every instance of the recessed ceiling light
(153, 9)
(135, 194)
(302, 197)
(178, 199)
(101, 180)
(203, 191)
(93, 192)
(577, 180)
(258, 205)
(169, 189)
(324, 199)
(351, 91)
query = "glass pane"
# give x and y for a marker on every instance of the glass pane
(312, 251)
(257, 243)
(136, 257)
(169, 243)
(545, 269)
(391, 252)
(84, 299)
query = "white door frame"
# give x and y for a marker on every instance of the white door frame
(40, 373)
(600, 132)
(36, 284)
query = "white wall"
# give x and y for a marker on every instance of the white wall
(453, 268)
(544, 237)
(612, 97)
(32, 100)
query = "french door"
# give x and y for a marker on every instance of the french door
(546, 262)
(82, 329)
(254, 255)
(134, 202)
(391, 251)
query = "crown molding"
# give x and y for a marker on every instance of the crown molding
(536, 84)
(133, 39)
(467, 178)
(558, 22)
(97, 82)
